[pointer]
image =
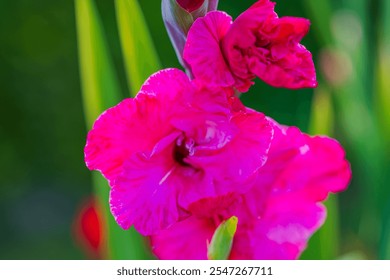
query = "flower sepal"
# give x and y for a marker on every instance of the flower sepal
(222, 240)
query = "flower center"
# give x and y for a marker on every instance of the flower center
(184, 147)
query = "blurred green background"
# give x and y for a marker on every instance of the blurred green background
(43, 179)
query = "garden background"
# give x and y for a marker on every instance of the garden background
(43, 178)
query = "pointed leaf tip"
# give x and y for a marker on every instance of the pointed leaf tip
(222, 240)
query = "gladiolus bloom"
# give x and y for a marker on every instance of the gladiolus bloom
(173, 145)
(278, 215)
(258, 43)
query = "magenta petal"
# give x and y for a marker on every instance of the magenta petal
(202, 50)
(185, 240)
(114, 137)
(290, 30)
(126, 128)
(142, 195)
(329, 171)
(300, 172)
(282, 233)
(234, 163)
(289, 65)
(255, 134)
(261, 44)
(281, 211)
(298, 163)
(239, 44)
(311, 166)
(246, 152)
(294, 69)
(170, 86)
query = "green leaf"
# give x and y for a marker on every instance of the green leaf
(140, 56)
(222, 240)
(100, 87)
(100, 91)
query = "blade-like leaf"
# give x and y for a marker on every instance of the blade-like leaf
(99, 84)
(222, 240)
(100, 91)
(140, 56)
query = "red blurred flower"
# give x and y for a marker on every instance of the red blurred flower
(88, 229)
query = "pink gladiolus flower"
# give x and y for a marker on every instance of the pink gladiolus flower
(258, 43)
(173, 145)
(279, 214)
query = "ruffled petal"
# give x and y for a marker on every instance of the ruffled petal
(289, 30)
(281, 211)
(284, 205)
(126, 128)
(143, 195)
(317, 165)
(229, 165)
(285, 227)
(202, 50)
(263, 45)
(245, 152)
(117, 134)
(329, 170)
(291, 68)
(241, 38)
(185, 240)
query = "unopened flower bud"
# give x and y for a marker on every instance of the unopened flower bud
(179, 15)
(190, 5)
